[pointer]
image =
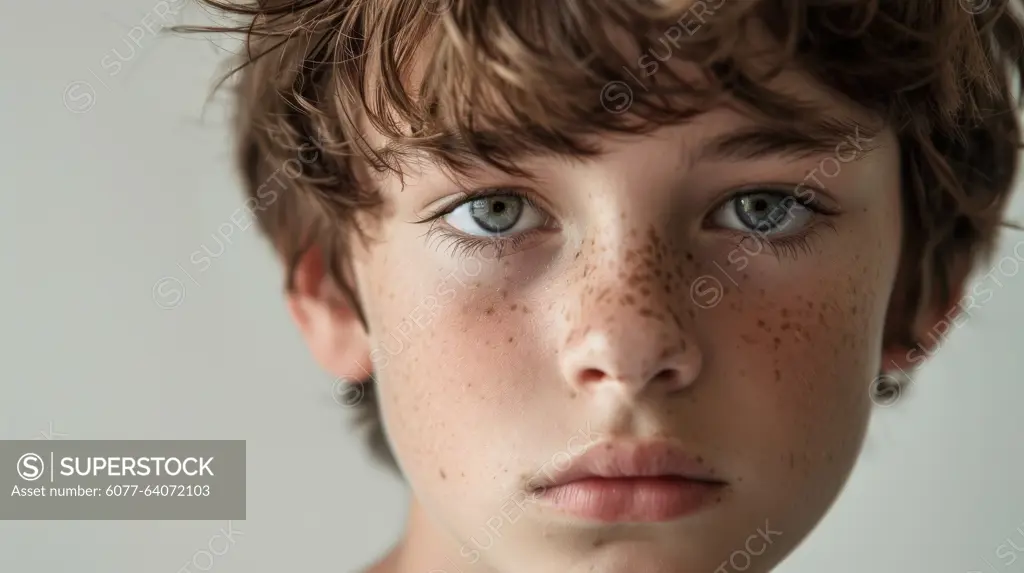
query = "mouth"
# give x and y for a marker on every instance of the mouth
(629, 481)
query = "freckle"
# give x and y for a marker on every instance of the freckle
(525, 310)
(689, 256)
(646, 312)
(761, 323)
(511, 338)
(644, 291)
(785, 326)
(489, 311)
(442, 474)
(578, 253)
(692, 313)
(778, 375)
(748, 339)
(700, 459)
(628, 300)
(572, 394)
(785, 313)
(598, 542)
(514, 306)
(675, 319)
(777, 342)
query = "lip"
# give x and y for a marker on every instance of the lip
(631, 481)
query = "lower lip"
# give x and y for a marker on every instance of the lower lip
(636, 500)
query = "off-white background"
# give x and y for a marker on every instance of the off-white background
(98, 206)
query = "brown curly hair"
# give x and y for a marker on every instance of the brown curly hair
(499, 77)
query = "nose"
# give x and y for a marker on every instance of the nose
(632, 342)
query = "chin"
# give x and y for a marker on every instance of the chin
(641, 557)
(638, 548)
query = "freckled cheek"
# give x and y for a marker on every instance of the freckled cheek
(827, 388)
(799, 373)
(444, 366)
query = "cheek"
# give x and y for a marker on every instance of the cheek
(797, 367)
(439, 399)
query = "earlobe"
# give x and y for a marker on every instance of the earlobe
(329, 323)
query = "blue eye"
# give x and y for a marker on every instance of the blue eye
(767, 213)
(495, 215)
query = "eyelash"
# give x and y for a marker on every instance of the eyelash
(467, 246)
(794, 245)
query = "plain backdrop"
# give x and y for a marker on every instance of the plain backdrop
(109, 181)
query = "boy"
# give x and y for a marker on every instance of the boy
(617, 280)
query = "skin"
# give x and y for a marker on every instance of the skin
(489, 367)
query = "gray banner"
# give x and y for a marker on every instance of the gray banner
(122, 479)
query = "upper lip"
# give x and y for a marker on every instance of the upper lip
(631, 459)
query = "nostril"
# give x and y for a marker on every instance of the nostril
(589, 375)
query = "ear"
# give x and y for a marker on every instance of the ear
(328, 322)
(931, 325)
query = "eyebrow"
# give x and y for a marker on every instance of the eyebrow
(769, 141)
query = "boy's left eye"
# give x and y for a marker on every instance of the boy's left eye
(766, 212)
(495, 216)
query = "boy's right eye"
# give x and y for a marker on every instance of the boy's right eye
(495, 215)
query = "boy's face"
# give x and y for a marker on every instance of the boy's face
(665, 290)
